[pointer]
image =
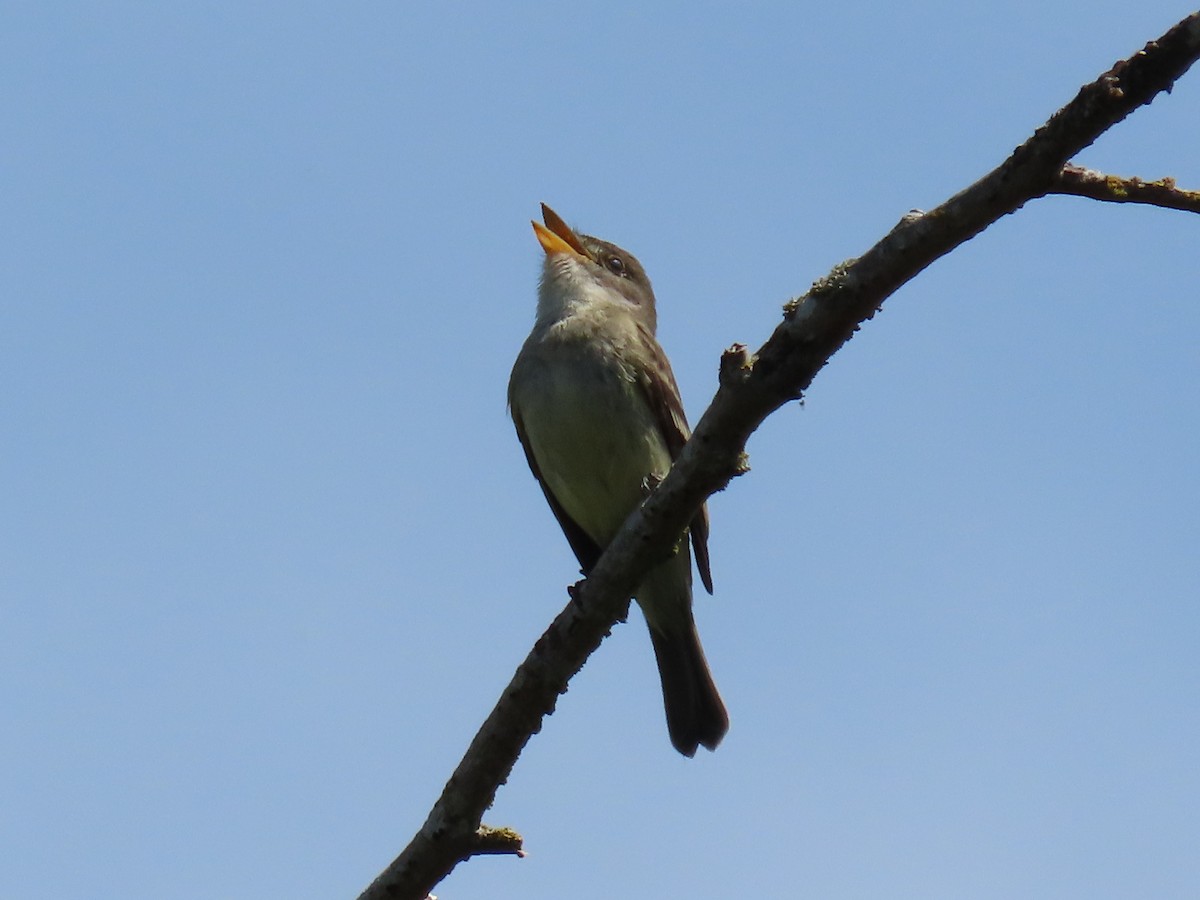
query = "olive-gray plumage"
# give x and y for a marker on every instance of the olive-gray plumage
(599, 415)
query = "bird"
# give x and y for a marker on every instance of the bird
(599, 416)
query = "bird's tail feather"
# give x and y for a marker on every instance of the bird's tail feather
(696, 716)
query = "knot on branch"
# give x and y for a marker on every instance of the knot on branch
(497, 841)
(736, 365)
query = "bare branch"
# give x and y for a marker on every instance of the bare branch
(1080, 182)
(753, 386)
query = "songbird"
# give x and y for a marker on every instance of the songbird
(598, 412)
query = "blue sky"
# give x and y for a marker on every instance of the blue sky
(270, 549)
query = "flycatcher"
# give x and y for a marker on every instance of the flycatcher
(599, 415)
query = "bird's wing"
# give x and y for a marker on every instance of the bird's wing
(586, 550)
(662, 393)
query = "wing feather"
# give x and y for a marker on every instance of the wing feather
(662, 393)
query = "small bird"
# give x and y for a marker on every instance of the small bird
(599, 415)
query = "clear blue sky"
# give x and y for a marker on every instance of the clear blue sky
(270, 549)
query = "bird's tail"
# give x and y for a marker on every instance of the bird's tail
(696, 716)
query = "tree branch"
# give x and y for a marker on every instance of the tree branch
(1080, 182)
(752, 386)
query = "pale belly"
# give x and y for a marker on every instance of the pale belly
(595, 440)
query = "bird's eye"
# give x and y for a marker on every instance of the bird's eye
(615, 264)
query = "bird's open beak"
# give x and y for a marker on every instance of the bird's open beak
(556, 236)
